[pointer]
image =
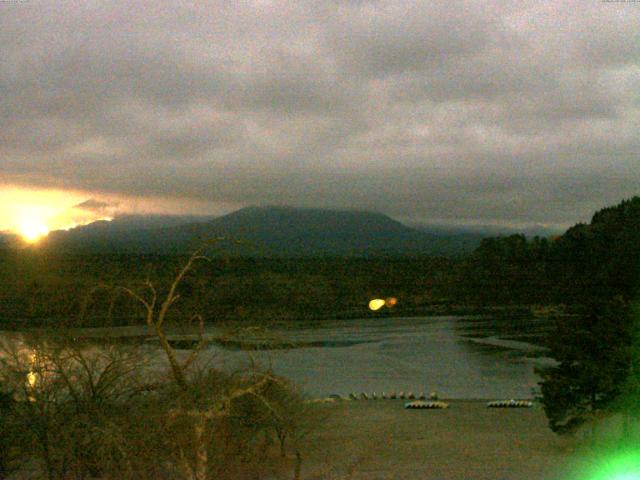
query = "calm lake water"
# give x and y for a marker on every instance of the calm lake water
(458, 357)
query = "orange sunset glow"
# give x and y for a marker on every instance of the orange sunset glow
(33, 230)
(33, 213)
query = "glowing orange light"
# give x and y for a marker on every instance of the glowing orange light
(33, 229)
(376, 304)
(391, 301)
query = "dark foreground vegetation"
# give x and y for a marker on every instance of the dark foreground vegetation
(71, 410)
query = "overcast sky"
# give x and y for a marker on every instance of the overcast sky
(508, 112)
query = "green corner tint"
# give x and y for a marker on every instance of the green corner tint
(620, 465)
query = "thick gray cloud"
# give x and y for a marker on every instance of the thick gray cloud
(495, 111)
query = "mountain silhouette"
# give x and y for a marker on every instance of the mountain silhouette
(264, 231)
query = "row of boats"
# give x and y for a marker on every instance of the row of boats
(420, 404)
(392, 396)
(420, 401)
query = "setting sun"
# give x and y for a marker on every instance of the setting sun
(33, 213)
(33, 230)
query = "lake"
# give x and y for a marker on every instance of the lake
(457, 357)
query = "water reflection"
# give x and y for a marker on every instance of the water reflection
(31, 379)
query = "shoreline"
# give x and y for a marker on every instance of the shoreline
(433, 310)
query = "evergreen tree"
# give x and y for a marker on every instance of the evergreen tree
(629, 401)
(594, 355)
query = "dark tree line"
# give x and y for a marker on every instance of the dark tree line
(37, 286)
(507, 270)
(589, 262)
(595, 356)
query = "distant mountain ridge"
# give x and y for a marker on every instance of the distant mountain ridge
(266, 231)
(484, 231)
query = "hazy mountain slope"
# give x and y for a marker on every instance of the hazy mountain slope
(270, 231)
(484, 231)
(125, 234)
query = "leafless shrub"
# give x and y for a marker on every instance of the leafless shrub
(67, 396)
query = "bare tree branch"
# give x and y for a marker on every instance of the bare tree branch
(200, 345)
(171, 296)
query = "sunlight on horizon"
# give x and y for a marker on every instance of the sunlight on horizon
(33, 230)
(32, 213)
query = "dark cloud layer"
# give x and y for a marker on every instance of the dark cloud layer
(497, 111)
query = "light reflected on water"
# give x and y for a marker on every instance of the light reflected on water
(31, 379)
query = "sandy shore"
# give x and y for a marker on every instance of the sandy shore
(381, 440)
